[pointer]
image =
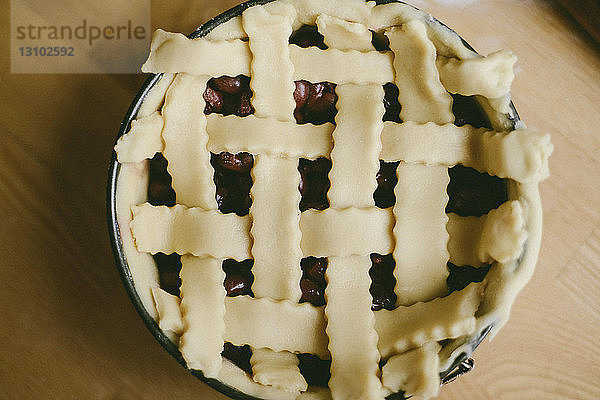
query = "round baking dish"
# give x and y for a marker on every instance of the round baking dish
(460, 364)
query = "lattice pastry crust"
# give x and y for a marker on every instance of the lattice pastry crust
(426, 62)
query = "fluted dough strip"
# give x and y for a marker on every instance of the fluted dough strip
(132, 189)
(202, 310)
(422, 96)
(276, 252)
(216, 58)
(271, 68)
(194, 231)
(174, 52)
(409, 327)
(169, 313)
(498, 236)
(521, 155)
(465, 235)
(342, 233)
(277, 325)
(357, 144)
(277, 369)
(489, 76)
(185, 140)
(350, 10)
(350, 327)
(421, 237)
(344, 35)
(268, 136)
(316, 65)
(414, 372)
(142, 141)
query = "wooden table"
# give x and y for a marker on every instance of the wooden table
(68, 329)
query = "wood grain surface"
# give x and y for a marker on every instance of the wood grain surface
(68, 329)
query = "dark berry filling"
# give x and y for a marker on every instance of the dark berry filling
(461, 276)
(386, 182)
(239, 355)
(228, 96)
(313, 281)
(315, 102)
(307, 36)
(380, 41)
(314, 183)
(238, 277)
(315, 371)
(160, 192)
(168, 267)
(382, 282)
(396, 396)
(233, 181)
(467, 110)
(473, 193)
(391, 103)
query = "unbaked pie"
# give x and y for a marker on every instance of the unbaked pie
(328, 199)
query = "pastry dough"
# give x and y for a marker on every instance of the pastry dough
(203, 312)
(342, 233)
(194, 231)
(142, 141)
(414, 372)
(351, 330)
(357, 144)
(409, 327)
(426, 60)
(422, 96)
(421, 199)
(185, 139)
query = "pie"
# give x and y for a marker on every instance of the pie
(328, 199)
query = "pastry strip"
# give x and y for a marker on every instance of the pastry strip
(277, 369)
(344, 35)
(489, 76)
(240, 380)
(169, 314)
(276, 252)
(194, 231)
(156, 96)
(350, 327)
(203, 310)
(132, 189)
(332, 65)
(277, 325)
(498, 236)
(185, 139)
(422, 96)
(268, 136)
(142, 141)
(503, 235)
(232, 58)
(271, 68)
(174, 52)
(465, 235)
(521, 155)
(421, 238)
(342, 233)
(409, 327)
(414, 372)
(349, 10)
(357, 144)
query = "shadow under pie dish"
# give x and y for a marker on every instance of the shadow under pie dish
(325, 199)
